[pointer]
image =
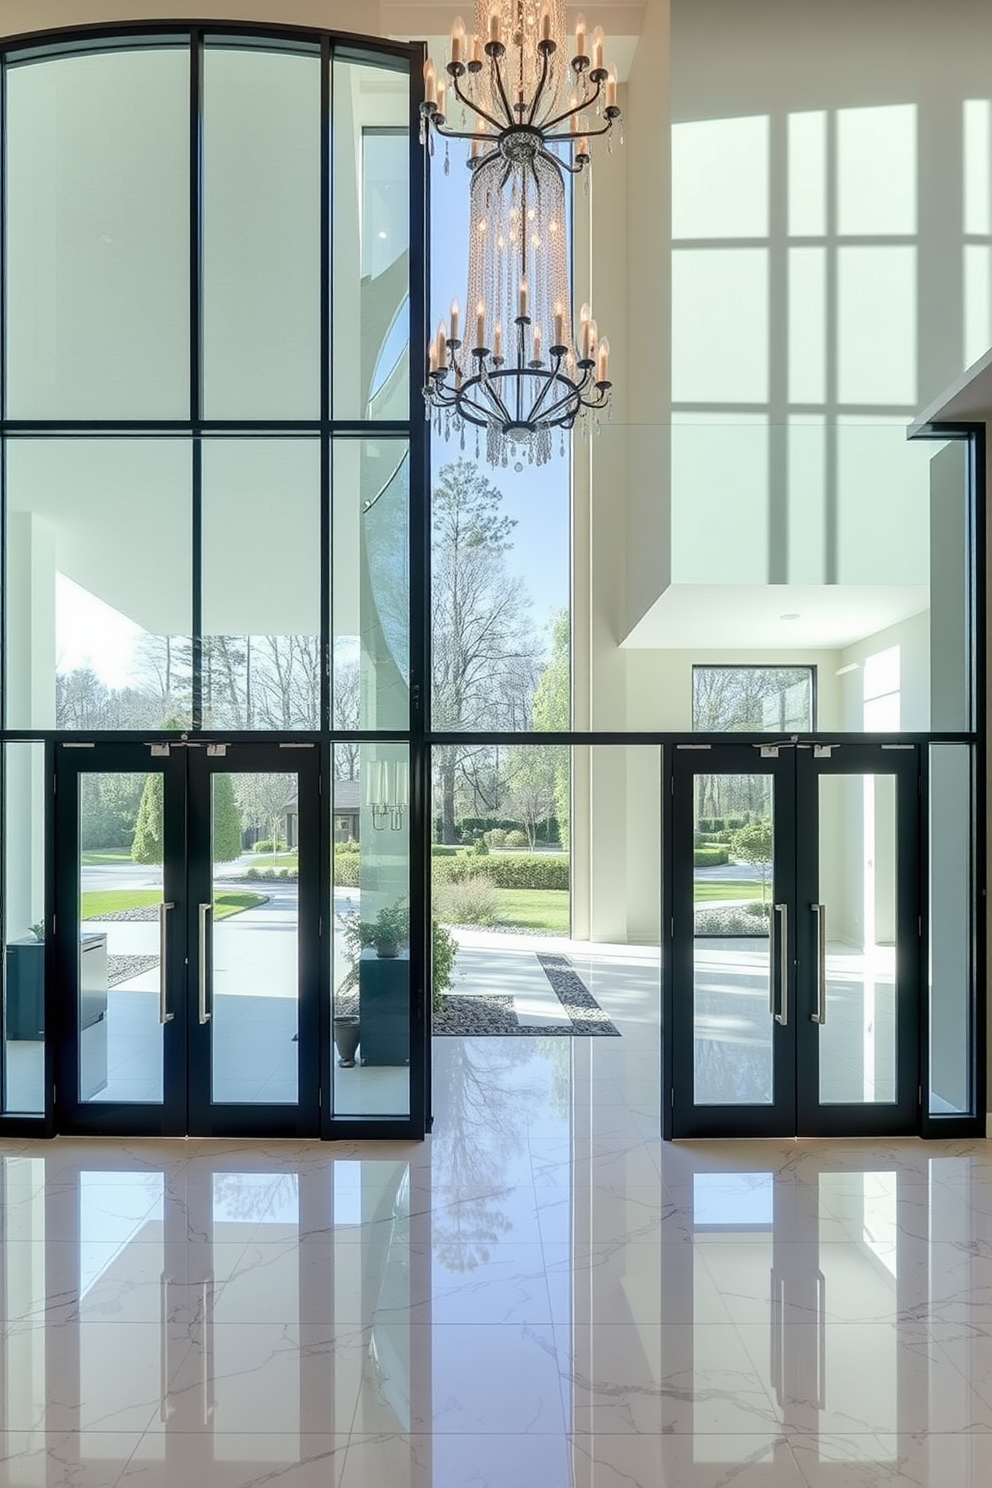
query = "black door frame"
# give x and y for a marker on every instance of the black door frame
(795, 1108)
(187, 769)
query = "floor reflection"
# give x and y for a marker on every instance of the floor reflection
(542, 1294)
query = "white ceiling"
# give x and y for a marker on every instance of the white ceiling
(750, 616)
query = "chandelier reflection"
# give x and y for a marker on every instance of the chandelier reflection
(387, 793)
(516, 371)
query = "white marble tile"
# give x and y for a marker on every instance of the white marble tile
(238, 1460)
(651, 1380)
(458, 1461)
(677, 1461)
(921, 1460)
(65, 1459)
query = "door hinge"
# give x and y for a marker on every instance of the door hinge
(768, 751)
(823, 751)
(217, 751)
(159, 751)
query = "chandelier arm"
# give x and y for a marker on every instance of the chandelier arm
(563, 399)
(569, 113)
(587, 133)
(495, 72)
(476, 109)
(541, 83)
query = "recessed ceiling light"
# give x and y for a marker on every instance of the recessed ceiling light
(383, 234)
(788, 617)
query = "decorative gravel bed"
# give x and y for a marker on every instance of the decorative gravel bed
(143, 912)
(123, 968)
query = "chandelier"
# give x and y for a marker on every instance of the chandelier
(515, 371)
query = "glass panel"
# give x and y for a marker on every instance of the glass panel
(951, 977)
(500, 613)
(121, 888)
(371, 587)
(370, 242)
(733, 829)
(858, 889)
(26, 792)
(98, 235)
(254, 987)
(371, 967)
(752, 699)
(99, 583)
(261, 584)
(261, 233)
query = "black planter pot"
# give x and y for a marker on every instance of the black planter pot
(346, 1036)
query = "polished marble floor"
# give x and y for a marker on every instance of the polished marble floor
(542, 1295)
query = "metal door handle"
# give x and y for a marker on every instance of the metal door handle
(783, 964)
(204, 911)
(820, 1016)
(163, 953)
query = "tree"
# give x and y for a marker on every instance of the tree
(147, 845)
(226, 820)
(532, 787)
(752, 843)
(553, 712)
(484, 658)
(262, 802)
(346, 716)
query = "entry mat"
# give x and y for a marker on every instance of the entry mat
(483, 1016)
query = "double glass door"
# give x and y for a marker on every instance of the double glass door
(794, 920)
(187, 935)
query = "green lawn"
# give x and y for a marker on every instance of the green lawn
(275, 860)
(533, 909)
(726, 888)
(99, 902)
(109, 855)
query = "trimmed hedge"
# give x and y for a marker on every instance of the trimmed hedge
(522, 871)
(709, 857)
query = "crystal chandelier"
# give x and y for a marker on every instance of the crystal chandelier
(515, 371)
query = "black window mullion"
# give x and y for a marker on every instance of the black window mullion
(195, 221)
(197, 615)
(326, 310)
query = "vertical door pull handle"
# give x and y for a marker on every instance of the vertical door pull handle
(204, 911)
(163, 953)
(782, 1016)
(820, 1016)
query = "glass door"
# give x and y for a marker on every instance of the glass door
(186, 939)
(252, 927)
(794, 940)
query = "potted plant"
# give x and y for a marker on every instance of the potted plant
(392, 925)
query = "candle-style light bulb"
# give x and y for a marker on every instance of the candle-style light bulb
(522, 299)
(536, 342)
(430, 82)
(559, 325)
(454, 321)
(477, 49)
(580, 35)
(598, 42)
(602, 358)
(457, 39)
(442, 344)
(498, 340)
(546, 25)
(440, 97)
(584, 334)
(432, 355)
(611, 88)
(494, 26)
(480, 324)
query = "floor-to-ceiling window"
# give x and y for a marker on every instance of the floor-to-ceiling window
(213, 248)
